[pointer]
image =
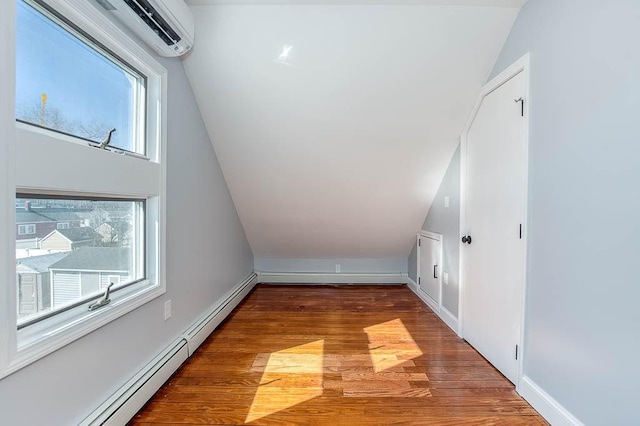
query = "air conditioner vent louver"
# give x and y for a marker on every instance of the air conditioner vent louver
(167, 26)
(150, 16)
(106, 5)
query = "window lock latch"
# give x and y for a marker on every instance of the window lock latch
(103, 301)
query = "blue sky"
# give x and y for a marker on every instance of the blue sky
(82, 84)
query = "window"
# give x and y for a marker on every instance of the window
(67, 83)
(26, 229)
(94, 215)
(72, 267)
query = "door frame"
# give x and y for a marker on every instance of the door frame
(438, 238)
(522, 65)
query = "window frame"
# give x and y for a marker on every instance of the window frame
(139, 272)
(24, 227)
(139, 177)
(138, 110)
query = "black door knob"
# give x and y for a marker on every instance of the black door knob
(466, 239)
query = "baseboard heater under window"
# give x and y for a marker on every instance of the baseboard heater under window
(202, 328)
(131, 397)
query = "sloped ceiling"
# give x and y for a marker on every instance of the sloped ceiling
(337, 150)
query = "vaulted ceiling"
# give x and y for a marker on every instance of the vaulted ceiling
(337, 149)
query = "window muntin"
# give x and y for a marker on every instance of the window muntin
(75, 265)
(62, 225)
(68, 83)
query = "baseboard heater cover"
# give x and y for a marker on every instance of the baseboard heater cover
(198, 333)
(329, 278)
(131, 397)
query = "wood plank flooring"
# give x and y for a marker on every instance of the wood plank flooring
(349, 355)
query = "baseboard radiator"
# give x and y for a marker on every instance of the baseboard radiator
(312, 278)
(127, 401)
(197, 333)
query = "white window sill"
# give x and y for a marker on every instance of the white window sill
(40, 339)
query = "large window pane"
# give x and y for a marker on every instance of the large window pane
(66, 83)
(100, 243)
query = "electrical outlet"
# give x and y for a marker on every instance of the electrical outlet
(167, 309)
(446, 202)
(445, 278)
(337, 268)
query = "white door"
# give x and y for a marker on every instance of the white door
(495, 211)
(430, 265)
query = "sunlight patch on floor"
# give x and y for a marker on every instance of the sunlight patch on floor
(290, 376)
(390, 345)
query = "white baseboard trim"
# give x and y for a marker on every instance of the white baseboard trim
(450, 319)
(126, 401)
(413, 286)
(444, 314)
(325, 278)
(543, 403)
(425, 297)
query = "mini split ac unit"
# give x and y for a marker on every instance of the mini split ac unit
(165, 25)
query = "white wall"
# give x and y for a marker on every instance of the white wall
(582, 316)
(207, 254)
(446, 221)
(327, 266)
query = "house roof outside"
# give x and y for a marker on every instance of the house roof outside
(96, 259)
(22, 253)
(45, 215)
(39, 264)
(78, 234)
(120, 227)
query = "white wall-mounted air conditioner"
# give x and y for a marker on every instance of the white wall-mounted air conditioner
(165, 25)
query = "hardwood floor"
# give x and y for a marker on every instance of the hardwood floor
(350, 355)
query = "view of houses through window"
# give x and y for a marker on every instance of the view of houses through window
(70, 250)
